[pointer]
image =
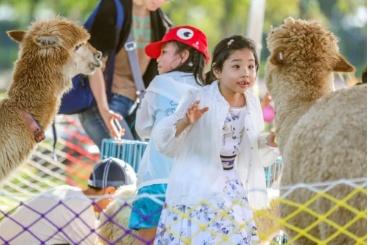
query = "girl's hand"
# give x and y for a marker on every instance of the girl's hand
(271, 139)
(194, 112)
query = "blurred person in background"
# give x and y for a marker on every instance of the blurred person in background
(146, 22)
(66, 214)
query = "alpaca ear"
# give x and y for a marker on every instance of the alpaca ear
(277, 57)
(342, 65)
(16, 35)
(290, 20)
(47, 41)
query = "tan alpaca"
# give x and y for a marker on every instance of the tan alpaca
(51, 53)
(321, 133)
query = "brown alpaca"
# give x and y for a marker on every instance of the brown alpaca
(321, 133)
(51, 53)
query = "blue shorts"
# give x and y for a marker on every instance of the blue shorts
(146, 211)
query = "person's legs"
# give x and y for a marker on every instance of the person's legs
(94, 126)
(146, 212)
(148, 235)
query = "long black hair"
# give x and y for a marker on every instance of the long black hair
(224, 49)
(194, 64)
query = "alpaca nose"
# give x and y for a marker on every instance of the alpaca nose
(98, 55)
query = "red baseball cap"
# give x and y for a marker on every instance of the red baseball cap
(188, 35)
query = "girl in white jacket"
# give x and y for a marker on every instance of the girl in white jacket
(215, 140)
(181, 55)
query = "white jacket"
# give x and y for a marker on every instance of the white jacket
(197, 172)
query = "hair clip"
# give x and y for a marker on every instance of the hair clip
(230, 42)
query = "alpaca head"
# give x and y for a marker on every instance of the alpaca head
(56, 45)
(303, 56)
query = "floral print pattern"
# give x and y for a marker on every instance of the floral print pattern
(227, 220)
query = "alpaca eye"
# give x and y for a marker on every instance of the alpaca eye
(78, 46)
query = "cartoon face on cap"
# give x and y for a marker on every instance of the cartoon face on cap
(185, 33)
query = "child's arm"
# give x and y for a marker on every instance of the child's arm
(169, 133)
(109, 117)
(267, 139)
(268, 148)
(193, 114)
(145, 118)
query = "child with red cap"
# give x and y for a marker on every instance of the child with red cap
(181, 56)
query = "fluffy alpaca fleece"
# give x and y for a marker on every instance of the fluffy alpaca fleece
(51, 53)
(267, 222)
(114, 220)
(321, 133)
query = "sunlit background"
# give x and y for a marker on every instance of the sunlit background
(218, 18)
(75, 154)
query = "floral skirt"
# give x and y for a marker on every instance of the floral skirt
(228, 220)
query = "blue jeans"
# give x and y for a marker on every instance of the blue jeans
(94, 125)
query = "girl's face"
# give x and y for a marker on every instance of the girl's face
(239, 71)
(169, 58)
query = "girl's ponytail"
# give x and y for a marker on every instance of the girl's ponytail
(209, 77)
(194, 64)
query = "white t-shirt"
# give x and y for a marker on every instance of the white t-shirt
(61, 215)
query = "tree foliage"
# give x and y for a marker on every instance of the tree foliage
(220, 18)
